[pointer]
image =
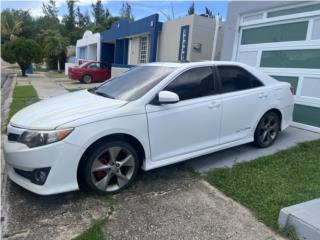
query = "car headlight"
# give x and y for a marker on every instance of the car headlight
(39, 138)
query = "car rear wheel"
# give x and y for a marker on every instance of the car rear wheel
(87, 79)
(111, 167)
(267, 130)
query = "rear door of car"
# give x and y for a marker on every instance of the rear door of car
(244, 100)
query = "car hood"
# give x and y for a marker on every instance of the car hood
(51, 113)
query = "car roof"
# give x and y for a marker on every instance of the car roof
(192, 64)
(266, 79)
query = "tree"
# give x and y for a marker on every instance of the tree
(98, 12)
(54, 45)
(83, 19)
(191, 9)
(49, 9)
(69, 19)
(126, 11)
(209, 13)
(11, 27)
(22, 51)
(108, 14)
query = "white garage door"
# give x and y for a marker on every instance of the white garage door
(285, 43)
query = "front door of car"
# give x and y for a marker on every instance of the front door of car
(189, 125)
(244, 100)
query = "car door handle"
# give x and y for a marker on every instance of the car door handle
(214, 105)
(263, 95)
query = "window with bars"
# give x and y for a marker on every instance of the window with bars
(144, 47)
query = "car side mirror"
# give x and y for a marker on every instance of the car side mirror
(166, 97)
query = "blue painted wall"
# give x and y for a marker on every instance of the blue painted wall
(121, 51)
(123, 29)
(107, 52)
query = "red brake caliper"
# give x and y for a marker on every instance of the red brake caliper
(101, 174)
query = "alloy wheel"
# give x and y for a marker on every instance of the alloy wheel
(113, 169)
(268, 130)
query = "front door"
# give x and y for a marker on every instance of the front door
(191, 124)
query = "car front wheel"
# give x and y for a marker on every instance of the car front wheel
(111, 167)
(267, 130)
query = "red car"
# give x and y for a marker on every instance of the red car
(90, 72)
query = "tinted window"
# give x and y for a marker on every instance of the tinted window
(194, 83)
(236, 79)
(104, 66)
(93, 65)
(133, 83)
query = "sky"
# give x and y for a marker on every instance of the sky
(140, 8)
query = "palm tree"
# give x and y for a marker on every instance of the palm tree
(54, 44)
(10, 27)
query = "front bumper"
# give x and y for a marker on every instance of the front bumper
(61, 157)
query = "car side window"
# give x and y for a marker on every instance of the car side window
(194, 83)
(104, 66)
(235, 78)
(94, 65)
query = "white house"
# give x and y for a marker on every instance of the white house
(88, 47)
(282, 38)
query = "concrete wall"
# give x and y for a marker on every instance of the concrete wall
(202, 32)
(235, 9)
(170, 39)
(92, 52)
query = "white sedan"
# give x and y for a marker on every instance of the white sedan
(148, 117)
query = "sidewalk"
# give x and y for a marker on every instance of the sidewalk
(45, 87)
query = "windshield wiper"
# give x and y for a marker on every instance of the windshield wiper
(103, 94)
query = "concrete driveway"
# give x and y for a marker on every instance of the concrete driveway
(166, 203)
(247, 152)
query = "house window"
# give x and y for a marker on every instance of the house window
(144, 47)
(183, 43)
(296, 31)
(296, 10)
(301, 58)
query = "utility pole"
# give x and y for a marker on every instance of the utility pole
(215, 36)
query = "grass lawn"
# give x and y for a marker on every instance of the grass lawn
(270, 183)
(22, 97)
(95, 232)
(55, 74)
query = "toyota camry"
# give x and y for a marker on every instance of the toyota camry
(148, 117)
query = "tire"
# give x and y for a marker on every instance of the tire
(86, 79)
(267, 130)
(111, 167)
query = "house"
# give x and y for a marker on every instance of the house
(88, 48)
(282, 38)
(190, 38)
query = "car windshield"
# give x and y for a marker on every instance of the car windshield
(133, 83)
